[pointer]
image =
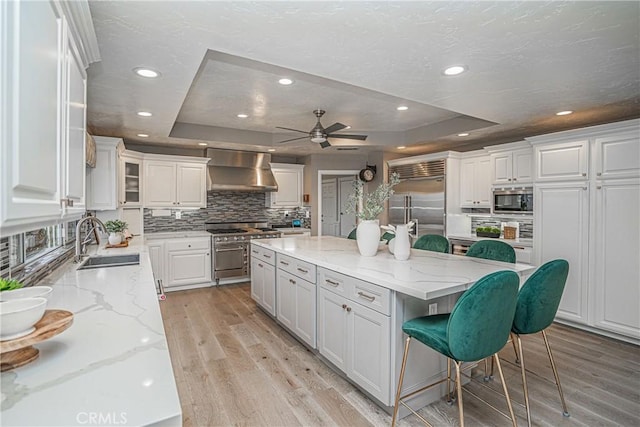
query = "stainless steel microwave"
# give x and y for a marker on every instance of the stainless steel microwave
(513, 201)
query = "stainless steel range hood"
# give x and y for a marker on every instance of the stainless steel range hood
(239, 171)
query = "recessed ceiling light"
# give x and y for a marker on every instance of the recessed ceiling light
(144, 114)
(204, 144)
(243, 116)
(564, 113)
(463, 134)
(143, 135)
(402, 147)
(402, 108)
(146, 72)
(348, 127)
(271, 149)
(285, 82)
(454, 70)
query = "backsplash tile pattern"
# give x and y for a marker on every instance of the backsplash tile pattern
(222, 206)
(526, 224)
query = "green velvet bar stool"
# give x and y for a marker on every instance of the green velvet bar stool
(432, 242)
(352, 235)
(387, 236)
(537, 304)
(492, 249)
(477, 327)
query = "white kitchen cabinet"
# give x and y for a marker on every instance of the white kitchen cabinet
(296, 297)
(130, 165)
(475, 182)
(615, 273)
(356, 340)
(512, 167)
(564, 161)
(42, 114)
(290, 180)
(102, 188)
(177, 182)
(561, 221)
(188, 261)
(263, 279)
(618, 155)
(156, 254)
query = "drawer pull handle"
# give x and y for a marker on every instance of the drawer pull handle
(254, 252)
(229, 250)
(260, 265)
(302, 270)
(367, 297)
(293, 282)
(284, 263)
(266, 256)
(332, 283)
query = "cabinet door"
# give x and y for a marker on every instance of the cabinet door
(101, 180)
(618, 156)
(332, 328)
(257, 280)
(565, 161)
(31, 107)
(522, 168)
(305, 308)
(269, 289)
(156, 255)
(188, 267)
(289, 188)
(191, 182)
(502, 171)
(615, 258)
(483, 182)
(286, 294)
(561, 221)
(160, 184)
(467, 183)
(369, 350)
(130, 182)
(74, 138)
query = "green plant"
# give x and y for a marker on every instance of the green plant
(9, 284)
(367, 206)
(115, 226)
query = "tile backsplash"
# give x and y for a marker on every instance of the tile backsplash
(223, 206)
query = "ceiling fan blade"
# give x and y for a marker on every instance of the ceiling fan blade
(339, 135)
(295, 130)
(334, 128)
(325, 144)
(293, 139)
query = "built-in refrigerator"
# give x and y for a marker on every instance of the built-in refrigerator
(420, 197)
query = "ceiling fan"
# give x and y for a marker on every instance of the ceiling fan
(320, 134)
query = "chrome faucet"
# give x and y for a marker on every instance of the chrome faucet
(80, 244)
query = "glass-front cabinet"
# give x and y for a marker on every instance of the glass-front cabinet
(130, 181)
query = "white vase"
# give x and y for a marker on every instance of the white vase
(368, 237)
(402, 247)
(115, 239)
(392, 244)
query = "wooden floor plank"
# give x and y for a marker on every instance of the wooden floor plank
(234, 365)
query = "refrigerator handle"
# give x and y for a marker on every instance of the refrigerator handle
(407, 209)
(414, 230)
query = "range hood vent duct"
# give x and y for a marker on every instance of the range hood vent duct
(239, 171)
(432, 169)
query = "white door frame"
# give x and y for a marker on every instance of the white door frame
(321, 173)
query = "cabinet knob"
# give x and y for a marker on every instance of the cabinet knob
(125, 202)
(584, 188)
(189, 245)
(599, 187)
(515, 179)
(344, 306)
(584, 174)
(348, 309)
(599, 174)
(509, 179)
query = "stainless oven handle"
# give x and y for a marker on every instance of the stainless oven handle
(239, 248)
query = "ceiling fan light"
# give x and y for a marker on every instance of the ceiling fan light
(318, 139)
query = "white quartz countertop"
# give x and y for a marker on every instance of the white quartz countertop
(111, 367)
(425, 275)
(472, 237)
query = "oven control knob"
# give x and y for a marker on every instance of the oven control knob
(225, 238)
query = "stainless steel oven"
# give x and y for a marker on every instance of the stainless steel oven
(513, 201)
(231, 255)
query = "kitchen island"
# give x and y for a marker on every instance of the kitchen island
(111, 367)
(357, 305)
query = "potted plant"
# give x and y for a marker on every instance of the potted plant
(9, 284)
(115, 229)
(488, 232)
(367, 207)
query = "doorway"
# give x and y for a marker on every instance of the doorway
(334, 188)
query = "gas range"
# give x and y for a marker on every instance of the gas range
(240, 231)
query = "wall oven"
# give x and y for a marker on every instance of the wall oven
(513, 201)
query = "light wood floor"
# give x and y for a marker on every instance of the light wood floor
(235, 366)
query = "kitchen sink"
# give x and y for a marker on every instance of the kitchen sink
(100, 261)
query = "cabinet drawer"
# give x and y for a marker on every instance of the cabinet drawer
(188, 244)
(372, 296)
(332, 281)
(263, 254)
(302, 269)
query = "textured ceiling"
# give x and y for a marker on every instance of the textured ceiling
(359, 60)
